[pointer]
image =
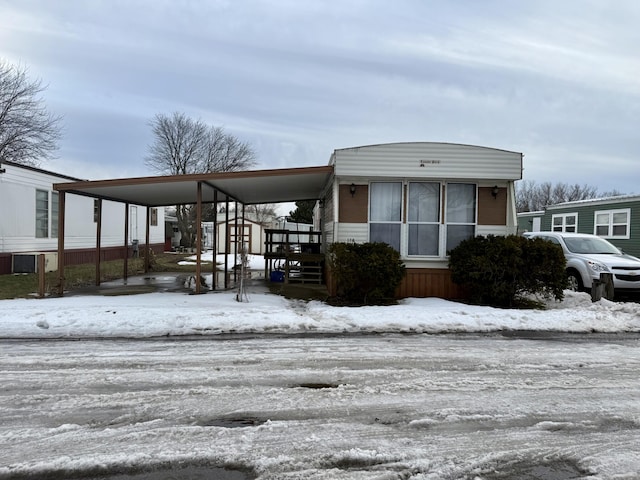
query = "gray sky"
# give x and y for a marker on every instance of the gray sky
(557, 80)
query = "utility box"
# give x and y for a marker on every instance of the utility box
(28, 262)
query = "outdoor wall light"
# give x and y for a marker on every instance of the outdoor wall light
(352, 189)
(494, 191)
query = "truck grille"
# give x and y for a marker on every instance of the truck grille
(629, 278)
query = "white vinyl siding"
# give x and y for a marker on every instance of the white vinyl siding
(612, 223)
(352, 233)
(428, 159)
(565, 223)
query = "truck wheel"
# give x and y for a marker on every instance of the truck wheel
(575, 282)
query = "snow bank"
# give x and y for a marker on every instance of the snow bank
(173, 314)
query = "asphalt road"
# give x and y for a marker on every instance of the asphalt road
(520, 405)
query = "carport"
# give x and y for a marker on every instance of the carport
(245, 188)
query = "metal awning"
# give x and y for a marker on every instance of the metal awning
(247, 187)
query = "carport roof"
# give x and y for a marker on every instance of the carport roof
(247, 187)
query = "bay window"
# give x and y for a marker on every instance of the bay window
(431, 226)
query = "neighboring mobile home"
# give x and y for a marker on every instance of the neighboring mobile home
(616, 219)
(29, 221)
(423, 199)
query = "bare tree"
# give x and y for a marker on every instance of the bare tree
(28, 132)
(531, 197)
(225, 153)
(183, 146)
(262, 214)
(179, 145)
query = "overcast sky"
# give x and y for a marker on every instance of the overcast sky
(558, 80)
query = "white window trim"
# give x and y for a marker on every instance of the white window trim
(610, 213)
(564, 222)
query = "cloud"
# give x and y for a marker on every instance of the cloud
(554, 80)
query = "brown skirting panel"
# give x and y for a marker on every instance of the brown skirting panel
(78, 257)
(85, 255)
(5, 263)
(429, 282)
(420, 283)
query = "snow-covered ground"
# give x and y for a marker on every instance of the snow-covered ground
(161, 314)
(133, 395)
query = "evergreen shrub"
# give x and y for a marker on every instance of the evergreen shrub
(365, 273)
(501, 270)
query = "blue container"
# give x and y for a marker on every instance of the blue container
(277, 276)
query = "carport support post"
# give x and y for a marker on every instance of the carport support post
(243, 249)
(235, 244)
(198, 237)
(98, 238)
(147, 237)
(215, 239)
(226, 243)
(61, 207)
(125, 273)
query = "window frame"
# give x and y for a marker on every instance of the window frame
(446, 213)
(42, 216)
(564, 224)
(399, 222)
(610, 225)
(408, 223)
